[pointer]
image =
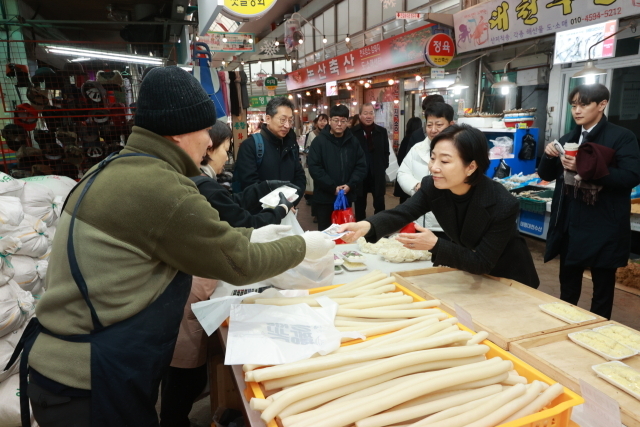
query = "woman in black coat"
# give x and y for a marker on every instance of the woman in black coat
(477, 214)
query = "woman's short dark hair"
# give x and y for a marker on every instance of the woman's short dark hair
(590, 93)
(413, 125)
(471, 145)
(218, 133)
(354, 120)
(320, 116)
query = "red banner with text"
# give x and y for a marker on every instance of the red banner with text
(394, 52)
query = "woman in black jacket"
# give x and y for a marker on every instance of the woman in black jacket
(477, 213)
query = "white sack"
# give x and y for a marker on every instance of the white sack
(40, 202)
(39, 284)
(11, 212)
(10, 403)
(51, 231)
(59, 185)
(16, 306)
(34, 236)
(25, 271)
(10, 186)
(8, 247)
(7, 344)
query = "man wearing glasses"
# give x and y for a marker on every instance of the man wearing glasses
(277, 157)
(336, 162)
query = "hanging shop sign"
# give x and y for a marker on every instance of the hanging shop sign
(236, 42)
(409, 15)
(573, 45)
(439, 50)
(500, 21)
(394, 52)
(259, 101)
(271, 83)
(247, 8)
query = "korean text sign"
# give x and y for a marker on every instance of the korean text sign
(404, 49)
(498, 22)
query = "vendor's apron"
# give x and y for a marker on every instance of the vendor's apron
(128, 358)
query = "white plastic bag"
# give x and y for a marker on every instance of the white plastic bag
(392, 170)
(59, 185)
(273, 199)
(40, 202)
(8, 247)
(11, 212)
(283, 334)
(10, 186)
(16, 306)
(33, 234)
(310, 273)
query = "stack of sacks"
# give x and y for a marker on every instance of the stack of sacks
(29, 213)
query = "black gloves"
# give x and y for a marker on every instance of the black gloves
(287, 205)
(275, 184)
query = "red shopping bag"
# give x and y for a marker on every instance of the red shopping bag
(342, 212)
(409, 228)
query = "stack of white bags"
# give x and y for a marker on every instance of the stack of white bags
(29, 212)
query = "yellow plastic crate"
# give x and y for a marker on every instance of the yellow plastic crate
(558, 415)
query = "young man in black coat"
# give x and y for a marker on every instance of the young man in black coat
(587, 233)
(374, 141)
(280, 159)
(336, 162)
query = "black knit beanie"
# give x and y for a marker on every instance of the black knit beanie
(172, 102)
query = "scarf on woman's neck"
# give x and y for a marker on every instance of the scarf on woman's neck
(368, 134)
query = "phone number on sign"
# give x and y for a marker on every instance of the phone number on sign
(597, 15)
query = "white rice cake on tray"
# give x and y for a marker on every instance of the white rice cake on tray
(620, 375)
(624, 336)
(353, 266)
(602, 345)
(337, 260)
(565, 312)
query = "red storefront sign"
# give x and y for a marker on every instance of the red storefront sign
(439, 50)
(398, 51)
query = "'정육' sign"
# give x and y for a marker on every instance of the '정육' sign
(439, 50)
(247, 8)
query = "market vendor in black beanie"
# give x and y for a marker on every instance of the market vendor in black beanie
(131, 235)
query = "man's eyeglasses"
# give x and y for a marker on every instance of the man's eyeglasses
(284, 121)
(339, 122)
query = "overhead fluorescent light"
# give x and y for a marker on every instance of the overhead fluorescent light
(138, 59)
(80, 59)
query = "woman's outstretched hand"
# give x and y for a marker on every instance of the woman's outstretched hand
(354, 230)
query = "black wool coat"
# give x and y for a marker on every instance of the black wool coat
(599, 235)
(379, 157)
(281, 161)
(489, 242)
(333, 162)
(236, 208)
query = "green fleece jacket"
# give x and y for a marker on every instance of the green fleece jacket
(141, 222)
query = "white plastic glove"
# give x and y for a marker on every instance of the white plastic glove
(269, 233)
(318, 244)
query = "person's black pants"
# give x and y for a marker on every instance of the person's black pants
(179, 389)
(323, 212)
(56, 410)
(604, 285)
(361, 205)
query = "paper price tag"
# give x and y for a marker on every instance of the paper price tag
(599, 408)
(464, 317)
(437, 73)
